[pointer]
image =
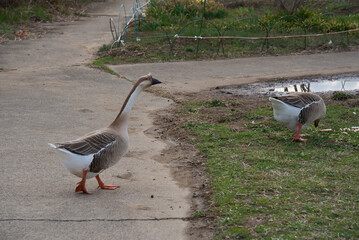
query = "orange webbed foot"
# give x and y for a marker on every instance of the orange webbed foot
(299, 140)
(81, 185)
(297, 135)
(103, 186)
(82, 188)
(108, 187)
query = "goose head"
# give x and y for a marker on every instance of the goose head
(147, 81)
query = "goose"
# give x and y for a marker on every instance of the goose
(298, 110)
(88, 156)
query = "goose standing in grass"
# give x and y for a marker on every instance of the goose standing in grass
(297, 110)
(88, 156)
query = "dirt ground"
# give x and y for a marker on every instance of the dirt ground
(187, 166)
(133, 51)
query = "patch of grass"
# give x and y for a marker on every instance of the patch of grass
(20, 14)
(23, 14)
(166, 19)
(189, 49)
(198, 214)
(104, 49)
(266, 187)
(340, 7)
(341, 96)
(167, 13)
(101, 63)
(214, 103)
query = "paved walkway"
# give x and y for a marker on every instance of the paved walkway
(194, 76)
(48, 94)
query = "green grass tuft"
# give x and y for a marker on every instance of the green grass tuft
(100, 63)
(342, 96)
(200, 213)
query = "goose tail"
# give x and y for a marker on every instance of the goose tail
(63, 150)
(52, 145)
(277, 104)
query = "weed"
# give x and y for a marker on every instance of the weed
(104, 49)
(214, 103)
(189, 49)
(200, 213)
(341, 96)
(100, 63)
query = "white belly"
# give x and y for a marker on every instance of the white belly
(286, 114)
(76, 163)
(288, 120)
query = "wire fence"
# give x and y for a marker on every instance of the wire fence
(205, 34)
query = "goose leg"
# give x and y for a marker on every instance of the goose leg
(297, 137)
(103, 186)
(81, 185)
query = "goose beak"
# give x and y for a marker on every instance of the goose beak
(155, 81)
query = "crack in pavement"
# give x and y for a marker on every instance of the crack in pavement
(101, 15)
(95, 219)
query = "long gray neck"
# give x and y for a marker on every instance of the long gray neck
(121, 121)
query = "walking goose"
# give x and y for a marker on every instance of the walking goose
(297, 110)
(87, 156)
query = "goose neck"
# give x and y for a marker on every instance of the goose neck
(121, 120)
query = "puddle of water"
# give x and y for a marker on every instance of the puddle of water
(347, 82)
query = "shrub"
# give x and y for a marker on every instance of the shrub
(303, 18)
(341, 24)
(21, 14)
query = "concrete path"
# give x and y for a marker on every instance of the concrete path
(193, 76)
(48, 94)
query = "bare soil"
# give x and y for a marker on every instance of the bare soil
(131, 52)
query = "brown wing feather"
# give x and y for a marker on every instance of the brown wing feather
(90, 144)
(108, 156)
(299, 100)
(308, 102)
(304, 114)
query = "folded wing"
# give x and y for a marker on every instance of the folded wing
(90, 144)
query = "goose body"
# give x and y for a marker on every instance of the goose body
(95, 151)
(88, 156)
(297, 110)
